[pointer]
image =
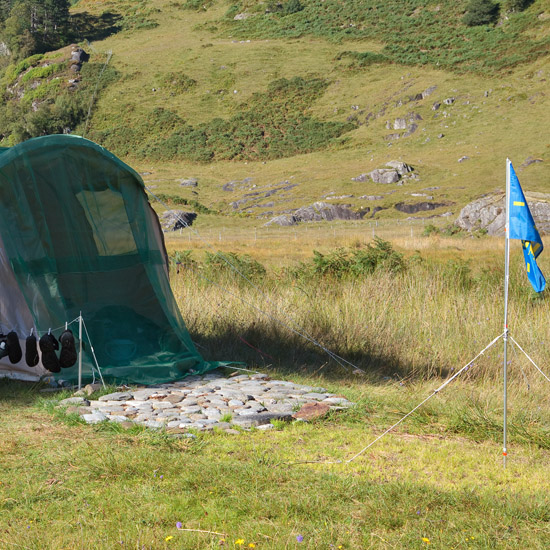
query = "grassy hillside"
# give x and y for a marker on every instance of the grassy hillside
(315, 97)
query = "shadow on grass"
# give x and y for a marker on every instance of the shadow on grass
(87, 26)
(20, 392)
(274, 350)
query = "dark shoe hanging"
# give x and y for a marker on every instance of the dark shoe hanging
(49, 358)
(55, 343)
(14, 347)
(68, 355)
(31, 353)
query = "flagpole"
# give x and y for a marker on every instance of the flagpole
(506, 280)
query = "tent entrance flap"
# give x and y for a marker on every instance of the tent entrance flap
(78, 234)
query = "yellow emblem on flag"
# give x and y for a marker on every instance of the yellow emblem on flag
(518, 203)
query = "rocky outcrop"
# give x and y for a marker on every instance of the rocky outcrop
(78, 57)
(318, 211)
(188, 182)
(172, 220)
(408, 123)
(424, 206)
(396, 170)
(385, 175)
(401, 167)
(488, 213)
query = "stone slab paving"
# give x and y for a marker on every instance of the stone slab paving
(201, 403)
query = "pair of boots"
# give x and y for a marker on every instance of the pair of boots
(9, 345)
(48, 346)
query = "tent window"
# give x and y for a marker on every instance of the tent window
(106, 214)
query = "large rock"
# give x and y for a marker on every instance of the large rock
(172, 220)
(382, 175)
(78, 55)
(488, 212)
(401, 167)
(319, 211)
(399, 124)
(188, 182)
(418, 207)
(286, 220)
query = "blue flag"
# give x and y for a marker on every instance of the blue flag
(522, 226)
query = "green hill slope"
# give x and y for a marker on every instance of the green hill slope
(314, 93)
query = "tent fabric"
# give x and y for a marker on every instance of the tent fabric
(77, 234)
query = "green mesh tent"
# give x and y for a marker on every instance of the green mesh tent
(77, 234)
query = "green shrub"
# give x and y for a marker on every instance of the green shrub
(13, 71)
(197, 5)
(292, 6)
(182, 260)
(481, 12)
(352, 262)
(429, 230)
(235, 265)
(363, 59)
(178, 83)
(43, 72)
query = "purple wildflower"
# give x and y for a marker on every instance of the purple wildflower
(299, 538)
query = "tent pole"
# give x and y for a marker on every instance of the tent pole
(80, 351)
(506, 280)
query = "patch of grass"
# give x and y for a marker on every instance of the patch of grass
(248, 488)
(414, 35)
(227, 417)
(270, 125)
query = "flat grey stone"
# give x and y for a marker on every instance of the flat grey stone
(337, 401)
(173, 413)
(94, 418)
(117, 396)
(188, 402)
(117, 418)
(215, 414)
(215, 403)
(154, 424)
(81, 401)
(162, 405)
(191, 410)
(250, 412)
(284, 407)
(314, 395)
(174, 398)
(143, 395)
(265, 427)
(112, 409)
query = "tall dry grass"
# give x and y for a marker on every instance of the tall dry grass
(428, 320)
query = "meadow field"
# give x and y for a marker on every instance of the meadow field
(404, 311)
